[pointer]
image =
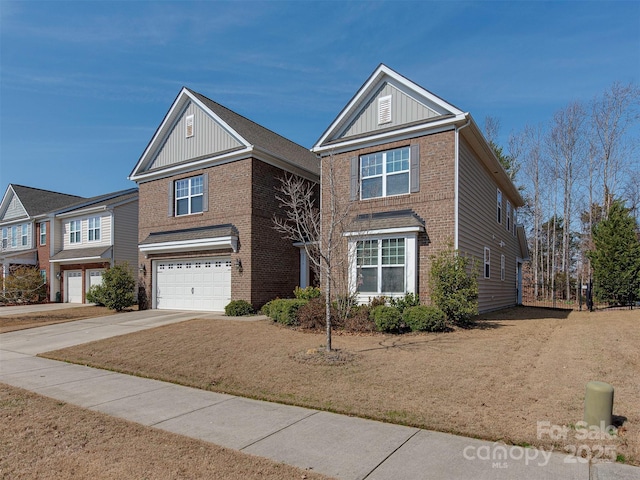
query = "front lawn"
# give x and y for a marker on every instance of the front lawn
(497, 381)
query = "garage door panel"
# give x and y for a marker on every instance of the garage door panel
(74, 286)
(203, 285)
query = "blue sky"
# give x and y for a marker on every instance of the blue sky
(84, 85)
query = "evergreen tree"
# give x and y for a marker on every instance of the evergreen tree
(616, 256)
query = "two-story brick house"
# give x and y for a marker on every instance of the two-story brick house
(25, 227)
(420, 176)
(207, 183)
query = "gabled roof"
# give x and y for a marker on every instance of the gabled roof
(104, 200)
(36, 201)
(251, 139)
(434, 112)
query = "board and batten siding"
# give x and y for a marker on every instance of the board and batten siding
(478, 228)
(208, 138)
(105, 232)
(14, 209)
(125, 235)
(404, 109)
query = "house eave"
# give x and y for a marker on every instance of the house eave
(384, 231)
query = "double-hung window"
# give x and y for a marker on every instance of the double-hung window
(75, 231)
(499, 207)
(14, 236)
(189, 193)
(25, 234)
(94, 229)
(383, 174)
(381, 265)
(43, 233)
(487, 262)
(5, 238)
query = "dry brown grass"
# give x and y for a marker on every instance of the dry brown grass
(46, 439)
(10, 323)
(496, 381)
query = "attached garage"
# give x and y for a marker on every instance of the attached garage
(73, 286)
(94, 277)
(202, 284)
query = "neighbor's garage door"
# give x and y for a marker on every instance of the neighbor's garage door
(203, 284)
(73, 287)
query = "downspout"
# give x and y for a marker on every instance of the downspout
(456, 181)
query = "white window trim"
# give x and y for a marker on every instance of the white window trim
(508, 226)
(410, 263)
(487, 263)
(499, 207)
(24, 235)
(94, 229)
(384, 175)
(5, 237)
(43, 233)
(14, 236)
(188, 197)
(72, 232)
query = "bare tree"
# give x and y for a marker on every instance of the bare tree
(612, 115)
(320, 230)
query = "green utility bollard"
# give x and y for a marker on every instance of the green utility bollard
(598, 404)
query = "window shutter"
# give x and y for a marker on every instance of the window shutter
(354, 178)
(170, 201)
(414, 168)
(205, 192)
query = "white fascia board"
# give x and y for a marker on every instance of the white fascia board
(384, 231)
(191, 245)
(82, 212)
(79, 259)
(169, 121)
(191, 166)
(394, 135)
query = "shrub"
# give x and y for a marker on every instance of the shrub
(313, 316)
(387, 319)
(454, 286)
(359, 319)
(118, 287)
(377, 301)
(238, 308)
(409, 300)
(425, 319)
(285, 310)
(95, 295)
(307, 293)
(24, 285)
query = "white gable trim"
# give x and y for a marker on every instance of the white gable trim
(369, 89)
(171, 118)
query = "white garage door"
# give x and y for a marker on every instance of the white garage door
(73, 286)
(202, 284)
(94, 277)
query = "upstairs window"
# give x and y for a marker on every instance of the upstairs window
(384, 174)
(508, 216)
(25, 234)
(5, 238)
(499, 206)
(189, 194)
(74, 231)
(43, 233)
(14, 236)
(94, 229)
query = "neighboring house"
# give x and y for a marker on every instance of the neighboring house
(207, 183)
(89, 237)
(25, 227)
(420, 177)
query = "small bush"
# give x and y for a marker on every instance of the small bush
(95, 294)
(266, 308)
(238, 308)
(313, 316)
(359, 320)
(425, 319)
(377, 301)
(409, 300)
(24, 285)
(306, 293)
(387, 319)
(285, 310)
(118, 287)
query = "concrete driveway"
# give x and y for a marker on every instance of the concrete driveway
(40, 307)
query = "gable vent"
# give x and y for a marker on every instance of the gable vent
(189, 126)
(384, 109)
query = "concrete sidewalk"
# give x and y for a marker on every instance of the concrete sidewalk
(336, 445)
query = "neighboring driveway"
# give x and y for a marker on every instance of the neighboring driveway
(52, 337)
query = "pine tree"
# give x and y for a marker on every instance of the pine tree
(616, 257)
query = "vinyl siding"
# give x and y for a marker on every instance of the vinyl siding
(125, 234)
(14, 210)
(478, 228)
(105, 232)
(404, 109)
(208, 138)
